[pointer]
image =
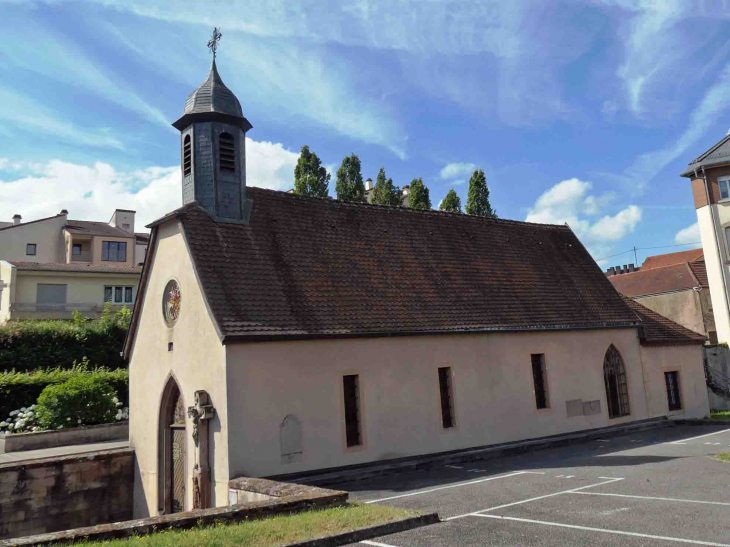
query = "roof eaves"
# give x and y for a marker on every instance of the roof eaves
(245, 338)
(141, 295)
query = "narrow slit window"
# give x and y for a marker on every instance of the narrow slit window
(353, 431)
(447, 397)
(538, 377)
(227, 152)
(30, 249)
(672, 381)
(187, 156)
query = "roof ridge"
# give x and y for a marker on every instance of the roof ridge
(31, 222)
(362, 204)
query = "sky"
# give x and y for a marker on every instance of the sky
(582, 112)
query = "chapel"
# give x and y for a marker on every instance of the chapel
(277, 335)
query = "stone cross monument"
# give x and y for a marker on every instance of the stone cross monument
(200, 414)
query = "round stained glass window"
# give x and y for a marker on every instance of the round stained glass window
(171, 302)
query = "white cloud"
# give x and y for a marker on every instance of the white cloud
(457, 170)
(690, 234)
(4, 163)
(152, 191)
(569, 202)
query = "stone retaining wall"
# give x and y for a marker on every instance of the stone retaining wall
(64, 437)
(51, 494)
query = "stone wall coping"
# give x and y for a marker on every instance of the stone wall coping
(273, 488)
(312, 498)
(43, 462)
(17, 442)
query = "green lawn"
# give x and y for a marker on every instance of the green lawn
(724, 457)
(272, 531)
(720, 415)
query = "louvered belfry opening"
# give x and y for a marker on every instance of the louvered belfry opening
(617, 391)
(187, 156)
(227, 152)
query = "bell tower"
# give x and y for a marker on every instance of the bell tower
(213, 148)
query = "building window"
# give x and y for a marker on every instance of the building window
(539, 376)
(617, 392)
(447, 397)
(724, 185)
(226, 152)
(353, 430)
(119, 295)
(50, 296)
(114, 251)
(672, 380)
(187, 156)
(77, 249)
(30, 249)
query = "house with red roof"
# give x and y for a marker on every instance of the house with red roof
(279, 335)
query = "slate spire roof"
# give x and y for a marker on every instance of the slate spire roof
(311, 268)
(212, 100)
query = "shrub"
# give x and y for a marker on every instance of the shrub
(83, 399)
(30, 345)
(21, 389)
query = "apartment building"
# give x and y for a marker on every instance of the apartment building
(52, 266)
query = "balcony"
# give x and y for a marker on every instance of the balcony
(36, 310)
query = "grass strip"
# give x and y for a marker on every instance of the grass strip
(269, 532)
(724, 457)
(720, 415)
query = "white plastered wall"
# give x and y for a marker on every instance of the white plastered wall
(492, 382)
(687, 361)
(47, 235)
(7, 296)
(197, 362)
(710, 243)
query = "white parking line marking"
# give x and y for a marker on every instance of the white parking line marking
(651, 498)
(606, 531)
(700, 437)
(476, 471)
(368, 542)
(454, 466)
(455, 486)
(609, 481)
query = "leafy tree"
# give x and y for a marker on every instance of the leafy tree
(349, 186)
(310, 178)
(477, 203)
(418, 196)
(385, 192)
(451, 203)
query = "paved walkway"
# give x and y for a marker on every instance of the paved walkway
(12, 457)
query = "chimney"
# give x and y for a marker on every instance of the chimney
(631, 268)
(406, 189)
(611, 271)
(64, 212)
(16, 219)
(369, 184)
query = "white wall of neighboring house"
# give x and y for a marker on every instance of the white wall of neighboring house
(47, 236)
(712, 243)
(7, 296)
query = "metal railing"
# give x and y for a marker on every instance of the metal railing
(43, 307)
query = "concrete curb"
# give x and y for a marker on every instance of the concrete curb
(701, 422)
(370, 532)
(367, 471)
(64, 437)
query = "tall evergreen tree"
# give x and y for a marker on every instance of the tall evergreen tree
(385, 192)
(418, 195)
(451, 203)
(310, 178)
(477, 203)
(349, 185)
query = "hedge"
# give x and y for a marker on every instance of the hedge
(21, 389)
(31, 345)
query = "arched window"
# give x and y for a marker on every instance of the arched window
(617, 392)
(172, 462)
(226, 152)
(187, 156)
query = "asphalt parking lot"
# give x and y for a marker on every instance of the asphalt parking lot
(655, 487)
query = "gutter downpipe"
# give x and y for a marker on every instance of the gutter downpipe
(717, 241)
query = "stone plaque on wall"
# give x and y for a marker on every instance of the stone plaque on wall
(290, 437)
(574, 408)
(591, 407)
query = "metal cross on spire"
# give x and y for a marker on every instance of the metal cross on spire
(213, 42)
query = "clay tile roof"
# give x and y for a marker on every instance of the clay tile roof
(658, 261)
(677, 277)
(700, 272)
(86, 227)
(658, 330)
(142, 237)
(86, 268)
(308, 267)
